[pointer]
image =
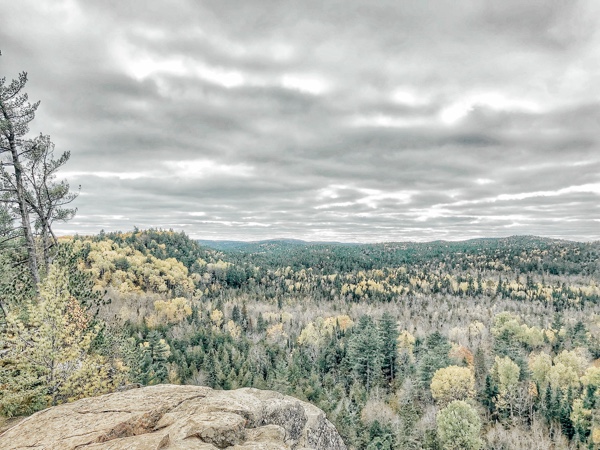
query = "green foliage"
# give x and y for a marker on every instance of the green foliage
(435, 357)
(365, 352)
(379, 438)
(154, 355)
(48, 358)
(388, 336)
(81, 283)
(16, 286)
(361, 331)
(458, 427)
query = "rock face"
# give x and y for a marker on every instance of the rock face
(177, 417)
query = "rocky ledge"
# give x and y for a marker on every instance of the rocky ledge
(177, 417)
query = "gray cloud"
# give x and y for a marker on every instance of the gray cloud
(352, 121)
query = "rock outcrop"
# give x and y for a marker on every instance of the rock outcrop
(177, 417)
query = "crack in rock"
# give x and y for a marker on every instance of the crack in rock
(134, 426)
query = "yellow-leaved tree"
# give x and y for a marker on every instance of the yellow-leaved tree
(506, 375)
(49, 357)
(169, 312)
(453, 383)
(540, 366)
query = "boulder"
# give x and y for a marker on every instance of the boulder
(177, 417)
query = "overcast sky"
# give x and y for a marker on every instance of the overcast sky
(320, 120)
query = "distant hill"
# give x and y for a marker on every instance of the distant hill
(253, 246)
(258, 246)
(522, 252)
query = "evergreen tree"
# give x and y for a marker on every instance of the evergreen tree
(48, 353)
(564, 418)
(548, 403)
(379, 438)
(261, 325)
(212, 368)
(479, 369)
(245, 319)
(435, 357)
(579, 335)
(499, 287)
(15, 114)
(365, 353)
(46, 197)
(557, 324)
(479, 290)
(155, 352)
(236, 315)
(556, 404)
(490, 394)
(388, 335)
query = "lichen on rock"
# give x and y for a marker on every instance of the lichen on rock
(177, 417)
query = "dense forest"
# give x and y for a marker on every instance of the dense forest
(488, 343)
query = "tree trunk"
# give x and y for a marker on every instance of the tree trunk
(46, 244)
(24, 212)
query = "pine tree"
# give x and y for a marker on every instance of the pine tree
(365, 353)
(479, 368)
(49, 357)
(261, 325)
(28, 171)
(211, 368)
(15, 114)
(246, 324)
(548, 403)
(280, 380)
(236, 316)
(435, 357)
(556, 404)
(490, 394)
(499, 287)
(557, 324)
(566, 408)
(388, 335)
(46, 197)
(155, 351)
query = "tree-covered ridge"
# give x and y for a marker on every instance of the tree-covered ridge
(162, 244)
(391, 353)
(161, 261)
(523, 253)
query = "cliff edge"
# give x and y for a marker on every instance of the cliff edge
(177, 417)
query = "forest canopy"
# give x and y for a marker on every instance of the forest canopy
(387, 339)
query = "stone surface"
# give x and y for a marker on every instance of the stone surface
(177, 417)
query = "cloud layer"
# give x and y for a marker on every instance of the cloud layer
(351, 121)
